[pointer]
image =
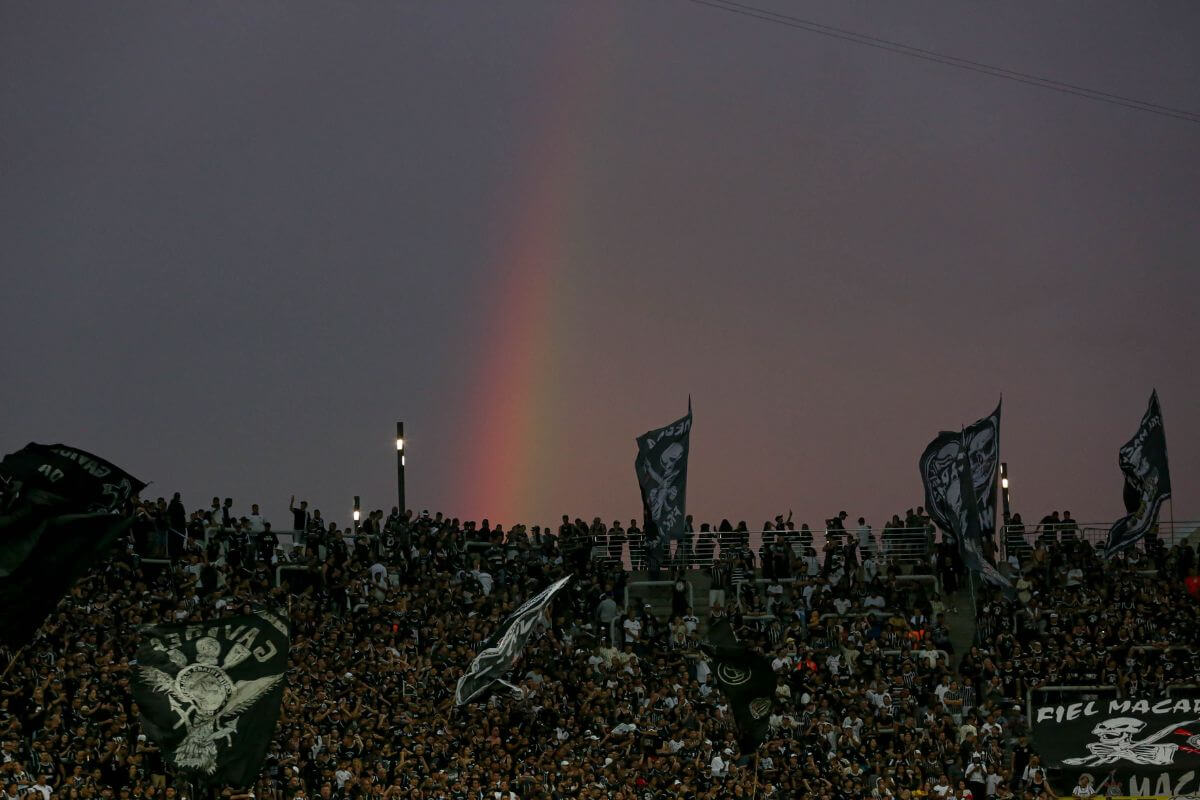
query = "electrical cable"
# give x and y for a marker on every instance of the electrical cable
(765, 15)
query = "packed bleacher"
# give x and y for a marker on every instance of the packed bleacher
(874, 697)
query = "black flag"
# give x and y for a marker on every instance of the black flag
(505, 645)
(61, 509)
(959, 473)
(747, 681)
(1143, 459)
(970, 537)
(661, 466)
(209, 694)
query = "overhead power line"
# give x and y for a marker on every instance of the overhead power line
(777, 18)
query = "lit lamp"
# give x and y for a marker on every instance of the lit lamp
(357, 513)
(1004, 490)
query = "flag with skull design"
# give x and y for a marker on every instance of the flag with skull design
(1143, 459)
(747, 681)
(1148, 746)
(661, 466)
(959, 472)
(209, 694)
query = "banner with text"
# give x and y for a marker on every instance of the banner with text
(1141, 746)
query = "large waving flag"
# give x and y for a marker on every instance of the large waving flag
(209, 694)
(959, 473)
(661, 466)
(505, 645)
(61, 509)
(1143, 459)
(747, 681)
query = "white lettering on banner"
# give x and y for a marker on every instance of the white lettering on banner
(89, 465)
(262, 654)
(1089, 709)
(239, 636)
(1140, 787)
(53, 473)
(247, 639)
(1073, 711)
(675, 430)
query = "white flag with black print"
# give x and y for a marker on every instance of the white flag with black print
(505, 646)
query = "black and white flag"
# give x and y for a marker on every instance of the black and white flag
(61, 509)
(505, 646)
(1145, 746)
(209, 694)
(959, 474)
(661, 466)
(1143, 460)
(747, 681)
(59, 475)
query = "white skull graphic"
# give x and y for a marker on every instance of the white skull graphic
(1118, 730)
(673, 453)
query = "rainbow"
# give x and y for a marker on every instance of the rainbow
(504, 463)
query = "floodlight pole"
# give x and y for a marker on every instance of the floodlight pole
(400, 468)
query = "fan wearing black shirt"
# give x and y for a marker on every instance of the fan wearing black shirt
(1020, 759)
(300, 519)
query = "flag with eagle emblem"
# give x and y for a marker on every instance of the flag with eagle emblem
(209, 694)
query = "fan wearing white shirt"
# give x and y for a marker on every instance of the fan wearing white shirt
(633, 628)
(257, 523)
(1084, 788)
(866, 542)
(43, 787)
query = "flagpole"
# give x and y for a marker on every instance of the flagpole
(1174, 539)
(754, 791)
(974, 602)
(13, 661)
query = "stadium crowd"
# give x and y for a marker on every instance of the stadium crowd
(615, 703)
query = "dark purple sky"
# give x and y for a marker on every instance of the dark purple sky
(241, 239)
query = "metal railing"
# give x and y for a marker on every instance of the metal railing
(904, 547)
(700, 549)
(691, 594)
(1020, 540)
(932, 580)
(901, 546)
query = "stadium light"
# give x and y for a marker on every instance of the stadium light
(1004, 490)
(357, 513)
(400, 467)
